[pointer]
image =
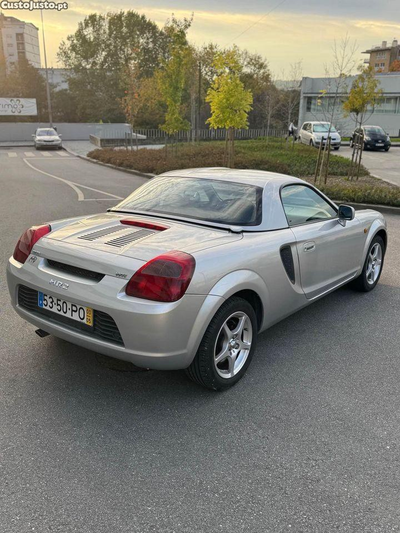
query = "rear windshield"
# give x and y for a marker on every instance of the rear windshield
(322, 128)
(221, 202)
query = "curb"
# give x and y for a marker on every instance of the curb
(121, 169)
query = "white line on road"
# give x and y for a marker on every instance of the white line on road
(75, 186)
(46, 154)
(63, 154)
(12, 154)
(29, 154)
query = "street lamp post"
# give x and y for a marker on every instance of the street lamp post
(47, 75)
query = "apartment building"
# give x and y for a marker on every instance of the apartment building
(19, 39)
(381, 57)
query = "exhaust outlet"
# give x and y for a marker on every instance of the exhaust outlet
(41, 333)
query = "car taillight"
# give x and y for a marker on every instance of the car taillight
(163, 279)
(28, 240)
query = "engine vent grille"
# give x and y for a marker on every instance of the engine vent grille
(94, 235)
(127, 238)
(104, 326)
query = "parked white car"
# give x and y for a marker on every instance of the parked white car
(313, 133)
(47, 138)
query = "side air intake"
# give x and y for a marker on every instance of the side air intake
(287, 260)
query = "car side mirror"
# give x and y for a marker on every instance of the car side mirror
(59, 135)
(33, 135)
(346, 213)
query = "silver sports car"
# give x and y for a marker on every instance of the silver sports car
(191, 267)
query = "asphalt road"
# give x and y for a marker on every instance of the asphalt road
(385, 165)
(308, 441)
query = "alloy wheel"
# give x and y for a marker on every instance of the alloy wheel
(233, 344)
(374, 264)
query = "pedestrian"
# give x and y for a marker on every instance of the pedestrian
(291, 130)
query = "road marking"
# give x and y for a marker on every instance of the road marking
(75, 186)
(29, 154)
(12, 154)
(46, 154)
(63, 154)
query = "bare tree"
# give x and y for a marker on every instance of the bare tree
(337, 74)
(272, 102)
(291, 92)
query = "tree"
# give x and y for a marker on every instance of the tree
(142, 102)
(363, 97)
(291, 93)
(24, 81)
(395, 66)
(98, 54)
(230, 102)
(173, 75)
(330, 101)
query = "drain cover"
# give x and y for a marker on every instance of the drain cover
(117, 364)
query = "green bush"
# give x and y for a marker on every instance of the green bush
(275, 155)
(365, 194)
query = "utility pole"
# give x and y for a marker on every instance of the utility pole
(47, 75)
(199, 105)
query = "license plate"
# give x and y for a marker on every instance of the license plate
(379, 144)
(76, 312)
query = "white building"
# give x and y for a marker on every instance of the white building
(19, 39)
(58, 77)
(315, 107)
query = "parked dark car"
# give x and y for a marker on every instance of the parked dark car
(375, 138)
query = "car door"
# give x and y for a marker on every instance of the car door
(329, 253)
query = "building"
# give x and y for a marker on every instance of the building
(314, 106)
(381, 57)
(19, 39)
(58, 77)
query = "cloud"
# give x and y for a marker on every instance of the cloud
(282, 37)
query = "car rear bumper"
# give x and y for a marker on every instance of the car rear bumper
(153, 335)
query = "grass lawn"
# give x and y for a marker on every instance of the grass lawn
(275, 156)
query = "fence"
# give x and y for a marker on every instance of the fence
(157, 135)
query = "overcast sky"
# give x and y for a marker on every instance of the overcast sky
(302, 30)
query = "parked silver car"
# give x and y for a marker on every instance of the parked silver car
(47, 138)
(313, 133)
(191, 267)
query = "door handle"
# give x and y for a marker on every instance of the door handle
(309, 246)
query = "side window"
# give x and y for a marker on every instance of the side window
(304, 128)
(303, 205)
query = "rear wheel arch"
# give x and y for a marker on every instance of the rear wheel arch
(255, 301)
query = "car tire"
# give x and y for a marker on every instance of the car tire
(336, 148)
(219, 341)
(387, 149)
(312, 143)
(368, 279)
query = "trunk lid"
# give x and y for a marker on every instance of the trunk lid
(102, 237)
